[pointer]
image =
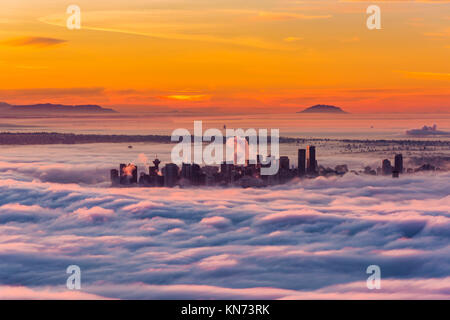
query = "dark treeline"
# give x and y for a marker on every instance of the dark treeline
(31, 138)
(10, 138)
(34, 138)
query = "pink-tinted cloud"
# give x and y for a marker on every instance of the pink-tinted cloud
(306, 239)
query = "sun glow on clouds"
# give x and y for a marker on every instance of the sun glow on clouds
(184, 97)
(272, 55)
(277, 16)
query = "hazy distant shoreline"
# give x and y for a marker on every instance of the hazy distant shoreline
(46, 138)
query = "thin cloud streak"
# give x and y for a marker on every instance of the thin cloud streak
(36, 42)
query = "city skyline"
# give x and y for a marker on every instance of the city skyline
(249, 174)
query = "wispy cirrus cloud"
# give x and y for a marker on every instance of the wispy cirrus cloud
(350, 40)
(427, 75)
(292, 39)
(113, 22)
(281, 16)
(36, 42)
(438, 34)
(399, 1)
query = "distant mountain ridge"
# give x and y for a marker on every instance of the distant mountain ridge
(322, 108)
(44, 108)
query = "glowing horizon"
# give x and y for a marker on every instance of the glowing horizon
(261, 56)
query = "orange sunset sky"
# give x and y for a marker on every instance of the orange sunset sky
(228, 55)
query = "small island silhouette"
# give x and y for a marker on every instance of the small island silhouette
(49, 108)
(427, 131)
(322, 108)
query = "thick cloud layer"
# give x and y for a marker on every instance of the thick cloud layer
(307, 239)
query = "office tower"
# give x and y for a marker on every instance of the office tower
(196, 175)
(311, 159)
(170, 175)
(386, 168)
(122, 176)
(144, 179)
(211, 175)
(153, 171)
(226, 169)
(159, 180)
(115, 180)
(301, 162)
(134, 174)
(156, 162)
(399, 163)
(284, 174)
(224, 172)
(128, 173)
(186, 171)
(223, 167)
(284, 163)
(272, 179)
(395, 174)
(250, 170)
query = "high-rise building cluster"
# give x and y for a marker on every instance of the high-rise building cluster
(228, 174)
(388, 169)
(248, 175)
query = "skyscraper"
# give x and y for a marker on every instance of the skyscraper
(301, 162)
(186, 171)
(399, 163)
(134, 175)
(154, 171)
(156, 162)
(115, 180)
(284, 163)
(122, 176)
(311, 159)
(197, 176)
(170, 172)
(386, 168)
(226, 170)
